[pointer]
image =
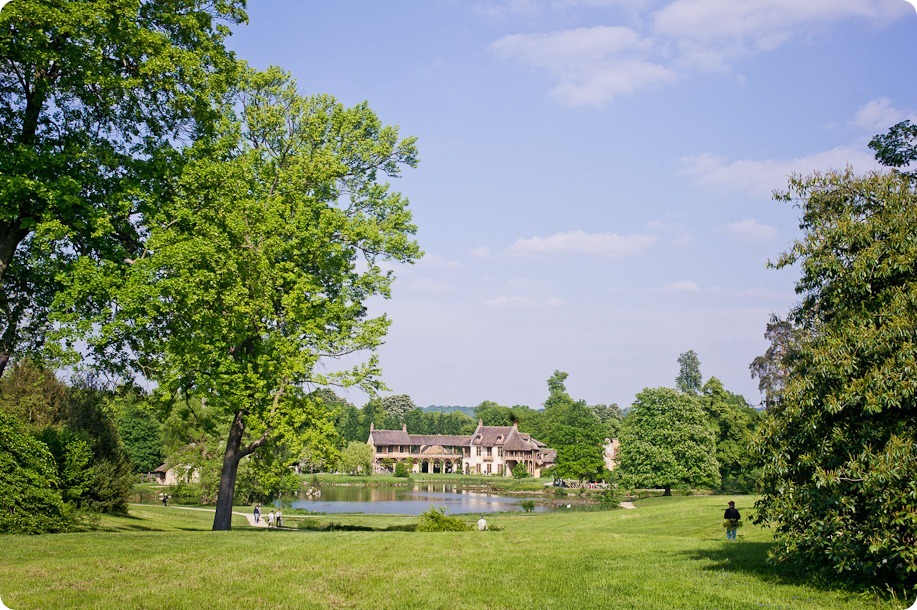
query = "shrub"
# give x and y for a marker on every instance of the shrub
(520, 471)
(436, 520)
(30, 502)
(401, 470)
(527, 505)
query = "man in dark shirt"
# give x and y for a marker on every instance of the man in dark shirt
(732, 515)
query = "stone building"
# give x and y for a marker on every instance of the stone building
(489, 450)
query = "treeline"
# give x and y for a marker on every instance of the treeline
(62, 461)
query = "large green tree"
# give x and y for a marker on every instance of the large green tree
(667, 441)
(396, 407)
(689, 379)
(839, 448)
(574, 431)
(94, 99)
(735, 423)
(259, 269)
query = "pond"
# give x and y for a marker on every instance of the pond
(456, 499)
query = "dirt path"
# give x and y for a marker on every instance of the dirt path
(627, 505)
(249, 516)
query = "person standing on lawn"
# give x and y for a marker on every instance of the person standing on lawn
(732, 516)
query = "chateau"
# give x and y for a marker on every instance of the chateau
(490, 450)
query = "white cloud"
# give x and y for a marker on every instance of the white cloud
(879, 114)
(514, 303)
(763, 24)
(431, 286)
(481, 252)
(431, 262)
(750, 230)
(759, 178)
(680, 286)
(580, 242)
(592, 66)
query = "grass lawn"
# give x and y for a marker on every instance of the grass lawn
(668, 553)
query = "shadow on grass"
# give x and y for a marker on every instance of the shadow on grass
(751, 558)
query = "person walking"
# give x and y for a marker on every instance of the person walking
(279, 518)
(270, 519)
(732, 517)
(257, 513)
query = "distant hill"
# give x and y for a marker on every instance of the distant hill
(469, 411)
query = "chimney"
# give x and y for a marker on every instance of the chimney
(404, 427)
(516, 425)
(371, 426)
(480, 422)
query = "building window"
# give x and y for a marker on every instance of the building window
(477, 451)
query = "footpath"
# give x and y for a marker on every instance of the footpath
(249, 516)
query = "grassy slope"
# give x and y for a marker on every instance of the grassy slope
(669, 553)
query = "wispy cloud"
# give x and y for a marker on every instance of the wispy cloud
(513, 303)
(759, 177)
(879, 114)
(590, 65)
(680, 286)
(431, 286)
(580, 242)
(750, 230)
(593, 66)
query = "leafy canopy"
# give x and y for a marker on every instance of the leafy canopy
(667, 441)
(95, 99)
(839, 449)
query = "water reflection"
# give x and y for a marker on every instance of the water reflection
(456, 499)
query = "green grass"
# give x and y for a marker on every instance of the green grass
(669, 553)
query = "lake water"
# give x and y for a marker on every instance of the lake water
(456, 499)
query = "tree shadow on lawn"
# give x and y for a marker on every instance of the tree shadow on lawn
(751, 558)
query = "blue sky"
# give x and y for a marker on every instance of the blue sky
(594, 191)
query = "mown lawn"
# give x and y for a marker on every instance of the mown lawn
(668, 553)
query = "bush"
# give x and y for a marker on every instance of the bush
(436, 520)
(520, 471)
(401, 470)
(30, 502)
(527, 505)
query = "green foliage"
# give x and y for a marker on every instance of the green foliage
(401, 470)
(898, 147)
(609, 417)
(140, 432)
(527, 505)
(356, 458)
(772, 369)
(689, 379)
(839, 449)
(260, 266)
(397, 407)
(573, 429)
(736, 424)
(74, 423)
(30, 502)
(436, 520)
(520, 471)
(94, 98)
(667, 441)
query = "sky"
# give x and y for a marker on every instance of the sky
(594, 193)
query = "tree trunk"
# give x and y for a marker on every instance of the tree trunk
(222, 520)
(667, 492)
